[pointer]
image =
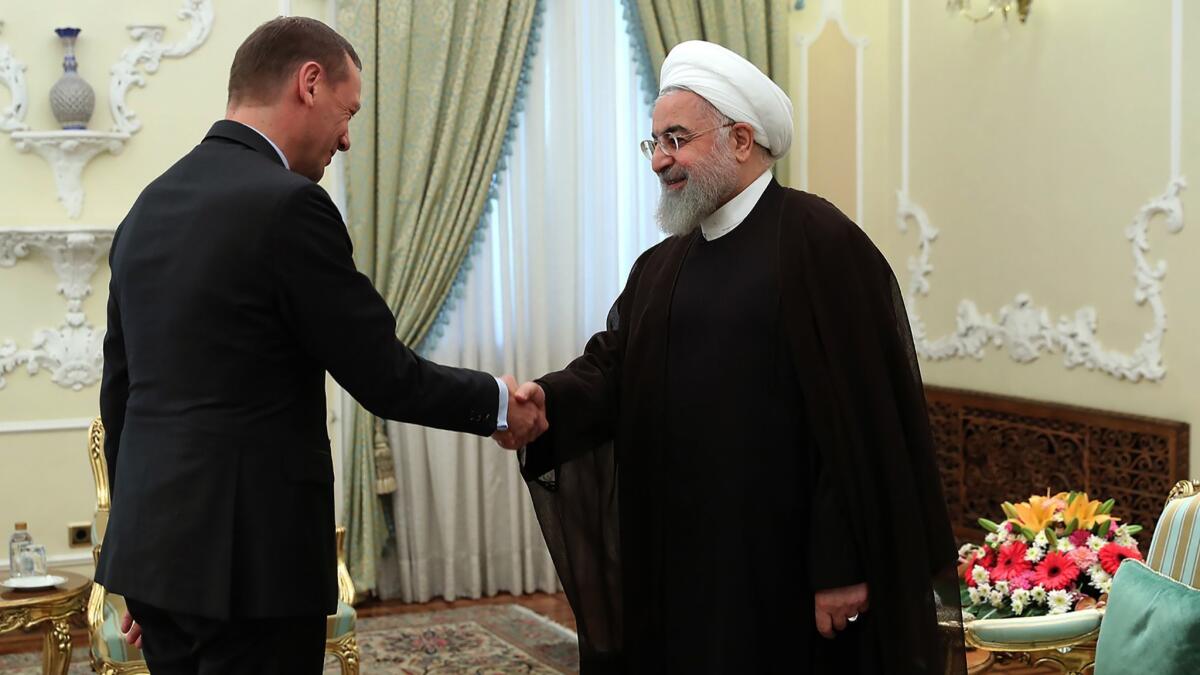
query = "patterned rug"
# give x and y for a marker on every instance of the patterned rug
(482, 640)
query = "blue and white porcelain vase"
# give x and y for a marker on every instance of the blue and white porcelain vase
(71, 99)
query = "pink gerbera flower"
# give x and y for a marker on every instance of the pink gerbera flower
(1056, 571)
(1023, 580)
(1011, 561)
(1080, 537)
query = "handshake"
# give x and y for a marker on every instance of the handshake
(526, 415)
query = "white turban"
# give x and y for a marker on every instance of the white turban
(734, 86)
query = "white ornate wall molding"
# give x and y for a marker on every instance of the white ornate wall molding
(1022, 327)
(148, 53)
(68, 152)
(72, 352)
(12, 74)
(832, 12)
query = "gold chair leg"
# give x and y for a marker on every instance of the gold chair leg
(346, 651)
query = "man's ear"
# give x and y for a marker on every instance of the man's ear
(743, 139)
(307, 78)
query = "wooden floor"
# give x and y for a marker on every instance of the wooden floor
(551, 606)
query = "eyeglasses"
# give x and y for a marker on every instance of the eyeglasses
(670, 142)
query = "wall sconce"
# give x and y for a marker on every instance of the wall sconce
(963, 7)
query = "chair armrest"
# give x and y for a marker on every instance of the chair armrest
(346, 590)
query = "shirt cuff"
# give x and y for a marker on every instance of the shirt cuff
(502, 411)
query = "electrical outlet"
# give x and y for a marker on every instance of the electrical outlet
(79, 535)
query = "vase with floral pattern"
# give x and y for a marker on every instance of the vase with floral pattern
(71, 98)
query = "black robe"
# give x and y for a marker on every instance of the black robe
(870, 507)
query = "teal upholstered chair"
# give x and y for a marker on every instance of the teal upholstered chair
(1175, 549)
(1153, 618)
(109, 653)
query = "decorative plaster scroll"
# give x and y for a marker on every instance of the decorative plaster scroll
(1025, 329)
(72, 352)
(67, 152)
(12, 74)
(148, 53)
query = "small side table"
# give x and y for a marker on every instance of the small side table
(54, 607)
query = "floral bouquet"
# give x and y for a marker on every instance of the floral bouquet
(1051, 555)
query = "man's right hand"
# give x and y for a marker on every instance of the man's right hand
(526, 415)
(131, 630)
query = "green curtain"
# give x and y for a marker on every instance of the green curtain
(439, 83)
(756, 29)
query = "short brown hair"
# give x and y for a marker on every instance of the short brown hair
(276, 48)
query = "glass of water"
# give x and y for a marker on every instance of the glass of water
(31, 559)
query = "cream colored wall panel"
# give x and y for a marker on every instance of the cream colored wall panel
(53, 487)
(1031, 149)
(1025, 153)
(832, 121)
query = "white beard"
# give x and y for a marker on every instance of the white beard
(709, 183)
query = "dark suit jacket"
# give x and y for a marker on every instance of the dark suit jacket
(233, 291)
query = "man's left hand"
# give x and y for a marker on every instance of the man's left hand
(836, 607)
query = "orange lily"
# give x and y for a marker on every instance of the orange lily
(1034, 515)
(1085, 514)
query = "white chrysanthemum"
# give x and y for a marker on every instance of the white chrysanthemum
(975, 596)
(1040, 540)
(1034, 553)
(1126, 540)
(979, 574)
(1020, 595)
(984, 587)
(1096, 543)
(1106, 586)
(1101, 580)
(1038, 594)
(996, 598)
(1059, 602)
(1065, 545)
(1002, 586)
(991, 539)
(965, 550)
(1017, 606)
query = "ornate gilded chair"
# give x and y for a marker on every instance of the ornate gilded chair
(109, 653)
(1153, 613)
(1175, 548)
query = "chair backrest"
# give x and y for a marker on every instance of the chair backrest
(1175, 549)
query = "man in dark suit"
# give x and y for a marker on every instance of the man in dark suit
(233, 292)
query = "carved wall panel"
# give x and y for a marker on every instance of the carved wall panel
(993, 449)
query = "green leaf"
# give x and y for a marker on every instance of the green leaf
(1029, 534)
(1133, 529)
(1051, 538)
(1010, 511)
(1106, 507)
(1071, 497)
(1073, 525)
(989, 525)
(1104, 528)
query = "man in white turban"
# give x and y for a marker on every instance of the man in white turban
(738, 475)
